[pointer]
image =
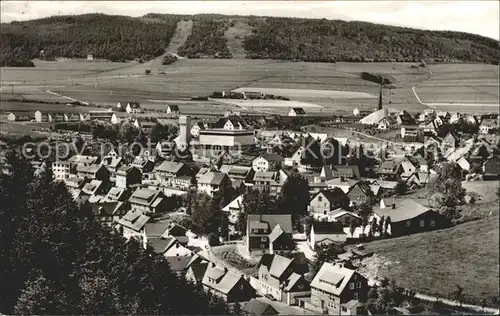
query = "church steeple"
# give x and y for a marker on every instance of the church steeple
(380, 99)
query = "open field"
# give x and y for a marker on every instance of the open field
(293, 93)
(107, 83)
(8, 106)
(461, 83)
(432, 262)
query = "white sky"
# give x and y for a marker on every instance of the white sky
(479, 17)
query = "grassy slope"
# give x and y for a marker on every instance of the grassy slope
(433, 262)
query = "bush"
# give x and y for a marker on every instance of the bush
(213, 240)
(147, 71)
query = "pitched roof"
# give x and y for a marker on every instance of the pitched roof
(332, 278)
(225, 280)
(157, 229)
(199, 270)
(405, 209)
(328, 228)
(170, 166)
(275, 233)
(134, 220)
(258, 308)
(333, 195)
(160, 245)
(279, 265)
(178, 263)
(299, 110)
(213, 178)
(283, 220)
(173, 107)
(272, 157)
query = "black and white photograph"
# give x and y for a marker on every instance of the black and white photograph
(249, 157)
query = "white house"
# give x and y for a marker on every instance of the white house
(196, 128)
(355, 112)
(133, 107)
(173, 109)
(296, 112)
(38, 116)
(211, 182)
(267, 162)
(234, 208)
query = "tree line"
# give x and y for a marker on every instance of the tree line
(207, 39)
(116, 38)
(334, 40)
(55, 258)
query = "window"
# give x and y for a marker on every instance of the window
(320, 198)
(408, 223)
(263, 239)
(433, 223)
(358, 285)
(351, 286)
(324, 212)
(356, 296)
(422, 223)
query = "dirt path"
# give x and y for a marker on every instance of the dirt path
(455, 303)
(235, 35)
(180, 36)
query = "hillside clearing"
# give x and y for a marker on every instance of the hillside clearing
(182, 32)
(235, 35)
(433, 262)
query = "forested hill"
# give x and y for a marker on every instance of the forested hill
(117, 38)
(121, 38)
(335, 40)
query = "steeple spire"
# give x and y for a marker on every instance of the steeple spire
(380, 99)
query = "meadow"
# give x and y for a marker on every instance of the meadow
(341, 87)
(433, 262)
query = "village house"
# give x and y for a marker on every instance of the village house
(132, 224)
(213, 181)
(337, 290)
(178, 232)
(259, 308)
(94, 187)
(328, 200)
(267, 162)
(408, 217)
(164, 149)
(148, 201)
(269, 233)
(128, 176)
(108, 212)
(340, 215)
(169, 247)
(133, 107)
(238, 174)
(268, 180)
(325, 233)
(179, 264)
(173, 109)
(101, 115)
(117, 194)
(360, 193)
(234, 208)
(168, 170)
(487, 125)
(491, 168)
(195, 272)
(61, 170)
(296, 112)
(93, 171)
(282, 278)
(196, 128)
(143, 164)
(83, 160)
(226, 284)
(20, 116)
(112, 163)
(329, 172)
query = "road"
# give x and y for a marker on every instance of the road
(284, 309)
(489, 310)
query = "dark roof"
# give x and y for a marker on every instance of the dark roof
(333, 195)
(328, 228)
(299, 110)
(178, 263)
(284, 220)
(404, 210)
(160, 245)
(199, 271)
(256, 307)
(273, 157)
(173, 107)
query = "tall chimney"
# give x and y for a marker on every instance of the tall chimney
(380, 99)
(393, 202)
